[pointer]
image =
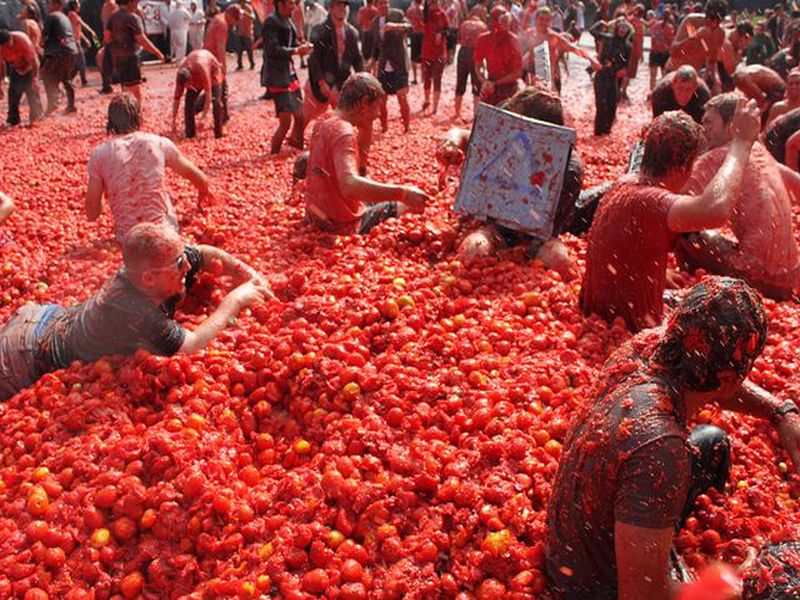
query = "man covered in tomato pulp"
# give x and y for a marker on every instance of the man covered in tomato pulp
(638, 222)
(134, 309)
(765, 251)
(498, 59)
(338, 199)
(631, 470)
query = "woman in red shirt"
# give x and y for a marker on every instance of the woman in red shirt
(434, 51)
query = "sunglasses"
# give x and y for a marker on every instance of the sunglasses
(178, 264)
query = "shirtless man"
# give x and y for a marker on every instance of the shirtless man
(200, 75)
(558, 42)
(760, 83)
(698, 42)
(765, 253)
(792, 99)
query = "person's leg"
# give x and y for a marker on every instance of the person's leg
(711, 461)
(81, 57)
(31, 90)
(216, 107)
(438, 72)
(405, 109)
(284, 122)
(106, 70)
(463, 68)
(427, 81)
(653, 71)
(16, 85)
(70, 66)
(249, 48)
(225, 115)
(296, 139)
(189, 112)
(384, 116)
(239, 52)
(180, 48)
(599, 103)
(50, 84)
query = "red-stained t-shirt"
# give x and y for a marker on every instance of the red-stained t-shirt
(626, 259)
(434, 42)
(204, 69)
(366, 15)
(414, 16)
(20, 53)
(216, 38)
(334, 154)
(626, 459)
(502, 53)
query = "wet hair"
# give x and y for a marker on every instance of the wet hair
(716, 9)
(672, 141)
(536, 103)
(124, 114)
(234, 10)
(775, 574)
(146, 245)
(358, 86)
(125, 2)
(183, 75)
(686, 73)
(544, 10)
(725, 105)
(5, 35)
(719, 326)
(72, 5)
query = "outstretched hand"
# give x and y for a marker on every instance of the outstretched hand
(789, 434)
(746, 123)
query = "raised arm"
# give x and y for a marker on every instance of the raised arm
(713, 206)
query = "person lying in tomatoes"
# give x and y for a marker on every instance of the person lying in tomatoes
(338, 199)
(631, 471)
(543, 105)
(6, 207)
(764, 252)
(638, 222)
(134, 309)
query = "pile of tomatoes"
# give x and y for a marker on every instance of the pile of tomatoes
(388, 428)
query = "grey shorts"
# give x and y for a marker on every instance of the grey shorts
(19, 347)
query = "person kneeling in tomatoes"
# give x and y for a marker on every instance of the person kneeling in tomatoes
(535, 103)
(631, 471)
(134, 309)
(338, 199)
(202, 77)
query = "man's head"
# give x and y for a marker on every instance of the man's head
(55, 5)
(780, 10)
(383, 7)
(193, 6)
(124, 114)
(183, 76)
(715, 12)
(714, 336)
(793, 86)
(232, 14)
(544, 16)
(621, 27)
(5, 36)
(672, 142)
(500, 18)
(361, 98)
(536, 103)
(338, 11)
(718, 116)
(154, 260)
(684, 84)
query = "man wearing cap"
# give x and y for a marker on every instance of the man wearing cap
(19, 53)
(200, 76)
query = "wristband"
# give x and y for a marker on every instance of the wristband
(781, 411)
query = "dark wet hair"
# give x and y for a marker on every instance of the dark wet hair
(716, 9)
(536, 103)
(719, 326)
(775, 575)
(5, 35)
(124, 114)
(183, 75)
(745, 28)
(358, 86)
(672, 141)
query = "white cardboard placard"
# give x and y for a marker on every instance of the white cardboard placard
(514, 171)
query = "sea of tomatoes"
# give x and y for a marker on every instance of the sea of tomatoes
(388, 428)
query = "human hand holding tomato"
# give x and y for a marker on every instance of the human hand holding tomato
(789, 434)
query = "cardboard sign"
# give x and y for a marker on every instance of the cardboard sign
(514, 171)
(155, 16)
(541, 64)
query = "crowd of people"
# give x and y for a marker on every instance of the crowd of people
(716, 186)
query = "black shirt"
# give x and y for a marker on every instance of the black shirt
(57, 34)
(663, 100)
